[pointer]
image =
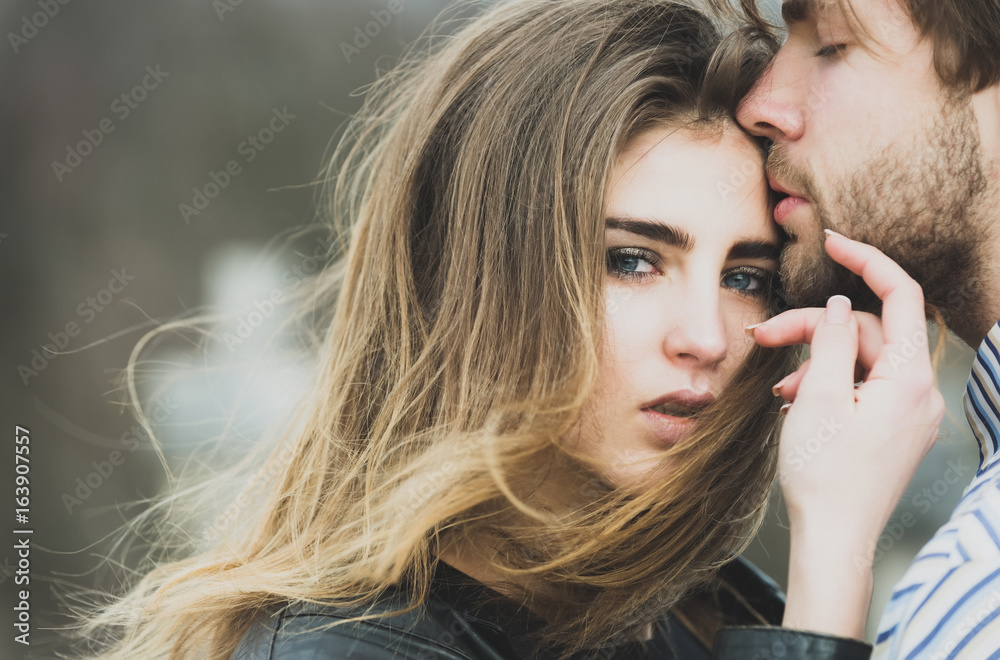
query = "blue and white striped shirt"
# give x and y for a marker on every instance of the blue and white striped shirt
(947, 605)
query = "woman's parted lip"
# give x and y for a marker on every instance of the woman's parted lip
(668, 428)
(685, 398)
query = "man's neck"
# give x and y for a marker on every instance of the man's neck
(972, 325)
(983, 305)
(976, 307)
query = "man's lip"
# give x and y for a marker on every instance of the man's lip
(777, 187)
(786, 205)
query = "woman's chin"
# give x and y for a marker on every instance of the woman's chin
(639, 471)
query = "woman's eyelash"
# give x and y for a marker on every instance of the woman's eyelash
(765, 277)
(827, 51)
(616, 255)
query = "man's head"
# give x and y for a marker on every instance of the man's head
(885, 122)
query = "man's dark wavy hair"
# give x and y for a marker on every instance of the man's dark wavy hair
(966, 36)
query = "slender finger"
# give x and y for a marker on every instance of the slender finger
(796, 326)
(902, 298)
(830, 378)
(788, 388)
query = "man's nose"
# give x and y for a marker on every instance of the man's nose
(772, 107)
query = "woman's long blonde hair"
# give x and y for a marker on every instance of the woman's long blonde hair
(461, 324)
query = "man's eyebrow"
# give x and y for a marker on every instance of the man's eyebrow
(656, 231)
(796, 11)
(755, 250)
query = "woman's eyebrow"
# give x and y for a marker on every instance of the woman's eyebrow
(656, 231)
(755, 250)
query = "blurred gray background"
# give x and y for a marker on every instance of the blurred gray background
(114, 115)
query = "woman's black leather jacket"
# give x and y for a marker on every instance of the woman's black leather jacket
(462, 619)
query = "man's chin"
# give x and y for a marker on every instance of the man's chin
(810, 277)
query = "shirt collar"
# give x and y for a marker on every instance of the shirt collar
(982, 398)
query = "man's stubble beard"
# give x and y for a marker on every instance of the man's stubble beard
(925, 207)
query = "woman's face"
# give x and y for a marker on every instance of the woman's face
(691, 250)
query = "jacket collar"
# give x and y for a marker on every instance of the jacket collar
(494, 615)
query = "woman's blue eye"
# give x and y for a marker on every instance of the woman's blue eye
(741, 281)
(632, 263)
(748, 281)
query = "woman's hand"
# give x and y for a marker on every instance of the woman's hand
(847, 454)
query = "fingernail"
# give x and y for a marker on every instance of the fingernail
(838, 309)
(750, 328)
(830, 232)
(784, 409)
(777, 388)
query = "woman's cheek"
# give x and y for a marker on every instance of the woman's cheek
(617, 300)
(743, 316)
(625, 325)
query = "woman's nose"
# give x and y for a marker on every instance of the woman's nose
(698, 334)
(771, 109)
